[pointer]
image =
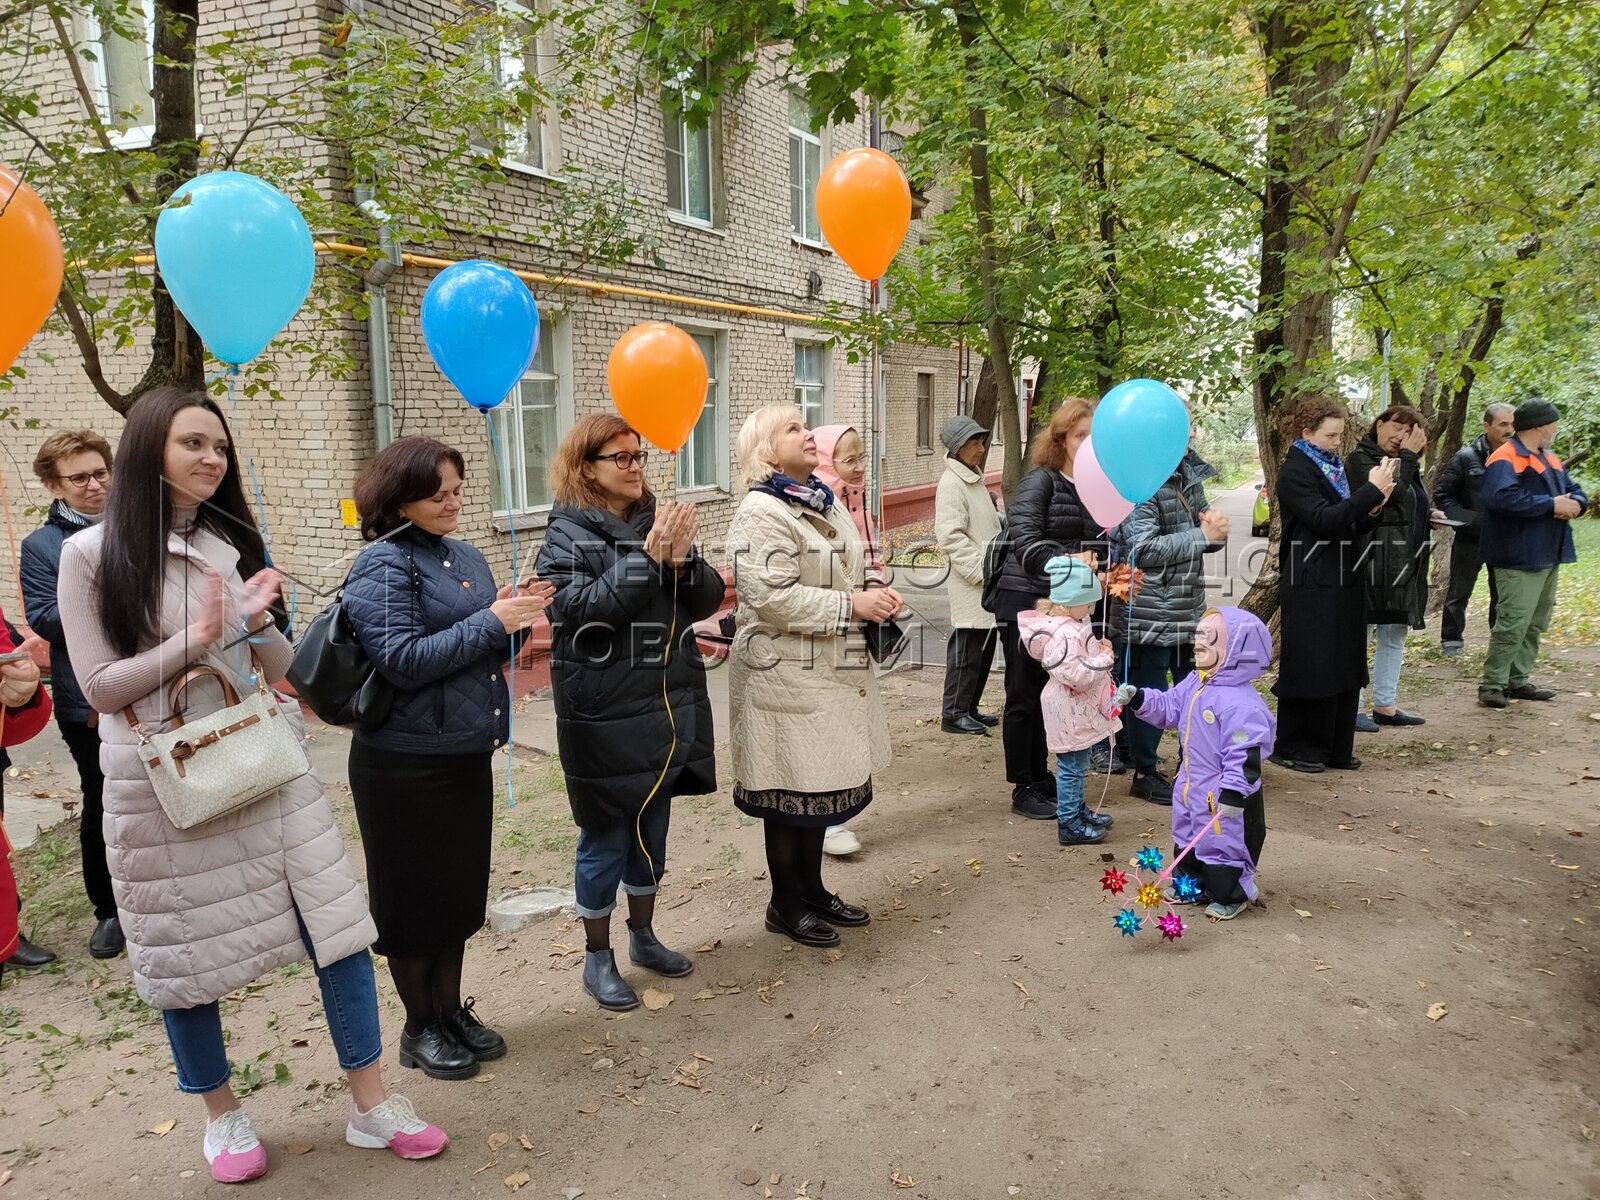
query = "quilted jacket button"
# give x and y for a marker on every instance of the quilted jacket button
(497, 711)
(493, 676)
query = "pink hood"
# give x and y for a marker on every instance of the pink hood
(853, 497)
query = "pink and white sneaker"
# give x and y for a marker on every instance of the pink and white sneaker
(394, 1125)
(233, 1150)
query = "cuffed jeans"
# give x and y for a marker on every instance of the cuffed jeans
(611, 857)
(1522, 616)
(349, 1001)
(1387, 659)
(1071, 769)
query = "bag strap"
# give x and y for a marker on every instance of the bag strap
(190, 676)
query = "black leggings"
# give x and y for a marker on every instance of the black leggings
(429, 985)
(794, 863)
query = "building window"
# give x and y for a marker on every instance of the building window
(121, 74)
(522, 60)
(811, 382)
(527, 429)
(805, 167)
(924, 411)
(702, 459)
(689, 170)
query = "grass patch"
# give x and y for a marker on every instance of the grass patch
(1421, 751)
(1576, 620)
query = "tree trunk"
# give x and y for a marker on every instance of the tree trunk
(984, 406)
(176, 354)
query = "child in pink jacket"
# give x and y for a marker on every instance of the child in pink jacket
(1078, 709)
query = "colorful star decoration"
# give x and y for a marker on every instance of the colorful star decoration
(1186, 888)
(1127, 922)
(1148, 859)
(1113, 881)
(1149, 895)
(1171, 926)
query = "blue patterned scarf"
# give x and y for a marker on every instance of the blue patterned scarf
(1330, 464)
(813, 494)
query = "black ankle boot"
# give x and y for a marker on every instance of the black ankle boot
(482, 1042)
(646, 951)
(437, 1054)
(602, 981)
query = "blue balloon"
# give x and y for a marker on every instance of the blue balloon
(236, 256)
(482, 328)
(1141, 431)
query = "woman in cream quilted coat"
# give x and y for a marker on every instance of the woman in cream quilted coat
(808, 730)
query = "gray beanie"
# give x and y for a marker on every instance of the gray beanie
(1532, 414)
(958, 431)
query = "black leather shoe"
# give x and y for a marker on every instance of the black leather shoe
(477, 1038)
(602, 981)
(1291, 764)
(646, 951)
(1526, 691)
(1350, 764)
(28, 956)
(964, 724)
(836, 912)
(983, 718)
(808, 929)
(1101, 820)
(1026, 802)
(107, 941)
(1075, 831)
(1154, 787)
(436, 1054)
(1398, 717)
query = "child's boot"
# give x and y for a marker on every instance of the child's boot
(1099, 820)
(1075, 831)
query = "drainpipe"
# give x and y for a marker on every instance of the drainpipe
(377, 282)
(876, 397)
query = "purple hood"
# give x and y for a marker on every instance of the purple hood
(1248, 652)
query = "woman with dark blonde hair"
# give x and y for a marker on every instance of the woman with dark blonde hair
(425, 608)
(633, 717)
(1046, 520)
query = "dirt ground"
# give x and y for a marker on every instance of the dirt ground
(989, 1035)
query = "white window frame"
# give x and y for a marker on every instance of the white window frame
(825, 386)
(805, 136)
(925, 447)
(547, 122)
(510, 433)
(672, 124)
(135, 137)
(717, 367)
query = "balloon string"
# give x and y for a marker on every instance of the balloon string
(503, 466)
(232, 376)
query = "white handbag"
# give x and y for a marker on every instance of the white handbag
(214, 764)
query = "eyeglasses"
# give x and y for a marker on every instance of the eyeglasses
(81, 480)
(623, 459)
(855, 460)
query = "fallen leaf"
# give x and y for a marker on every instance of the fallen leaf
(1503, 753)
(589, 1109)
(1566, 867)
(526, 1144)
(749, 1176)
(488, 1166)
(5, 1177)
(1017, 983)
(497, 1140)
(1300, 912)
(299, 1148)
(164, 1128)
(655, 999)
(975, 865)
(520, 1180)
(708, 947)
(775, 1179)
(572, 1193)
(703, 1057)
(1488, 824)
(1588, 1136)
(901, 1181)
(1437, 1012)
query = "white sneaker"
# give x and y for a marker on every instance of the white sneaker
(839, 841)
(233, 1150)
(394, 1125)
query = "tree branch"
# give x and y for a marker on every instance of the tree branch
(87, 96)
(90, 350)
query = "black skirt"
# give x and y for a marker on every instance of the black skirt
(426, 823)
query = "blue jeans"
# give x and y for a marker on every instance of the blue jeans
(1071, 768)
(1387, 660)
(349, 1001)
(609, 857)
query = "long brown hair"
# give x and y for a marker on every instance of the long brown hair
(1050, 444)
(568, 482)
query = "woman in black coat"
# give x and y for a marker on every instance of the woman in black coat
(1397, 561)
(633, 718)
(1045, 518)
(1323, 631)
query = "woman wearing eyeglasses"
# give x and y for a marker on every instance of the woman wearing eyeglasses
(633, 718)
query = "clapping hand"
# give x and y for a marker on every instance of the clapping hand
(532, 588)
(1215, 525)
(207, 628)
(260, 590)
(672, 534)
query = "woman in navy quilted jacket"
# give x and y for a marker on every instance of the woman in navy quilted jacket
(427, 612)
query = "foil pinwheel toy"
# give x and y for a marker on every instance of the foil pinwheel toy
(1144, 905)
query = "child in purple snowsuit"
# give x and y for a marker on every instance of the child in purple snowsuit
(1225, 729)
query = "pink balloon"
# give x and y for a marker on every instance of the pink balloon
(1099, 494)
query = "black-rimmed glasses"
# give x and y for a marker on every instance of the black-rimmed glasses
(623, 458)
(82, 478)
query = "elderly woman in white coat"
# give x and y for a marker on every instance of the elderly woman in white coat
(808, 731)
(965, 521)
(174, 580)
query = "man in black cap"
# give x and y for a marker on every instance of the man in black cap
(1528, 506)
(1459, 492)
(965, 522)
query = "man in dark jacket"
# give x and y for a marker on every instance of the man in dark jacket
(75, 467)
(1529, 503)
(1458, 492)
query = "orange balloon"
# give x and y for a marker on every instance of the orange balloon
(30, 265)
(658, 383)
(864, 208)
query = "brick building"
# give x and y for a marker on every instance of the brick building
(741, 266)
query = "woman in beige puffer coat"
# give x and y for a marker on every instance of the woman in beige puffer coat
(155, 592)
